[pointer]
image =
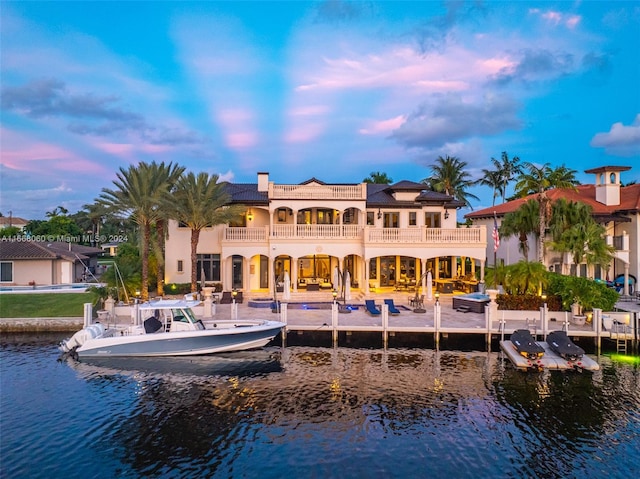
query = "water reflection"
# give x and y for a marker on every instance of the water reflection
(324, 412)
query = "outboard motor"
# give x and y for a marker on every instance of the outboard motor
(78, 339)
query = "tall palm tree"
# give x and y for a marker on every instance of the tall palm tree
(522, 222)
(492, 179)
(507, 169)
(139, 192)
(200, 202)
(538, 180)
(448, 177)
(378, 178)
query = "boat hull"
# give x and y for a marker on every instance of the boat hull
(181, 343)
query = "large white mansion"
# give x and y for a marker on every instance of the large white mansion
(384, 236)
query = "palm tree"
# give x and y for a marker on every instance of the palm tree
(574, 231)
(378, 178)
(492, 179)
(538, 180)
(522, 222)
(507, 169)
(448, 177)
(527, 277)
(200, 202)
(139, 194)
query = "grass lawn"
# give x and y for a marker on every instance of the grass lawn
(46, 305)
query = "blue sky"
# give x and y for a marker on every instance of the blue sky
(332, 90)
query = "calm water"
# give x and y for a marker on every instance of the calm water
(313, 412)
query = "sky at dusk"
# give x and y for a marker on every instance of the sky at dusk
(332, 90)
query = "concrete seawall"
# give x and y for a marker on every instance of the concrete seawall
(40, 325)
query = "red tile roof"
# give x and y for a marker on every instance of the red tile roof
(629, 202)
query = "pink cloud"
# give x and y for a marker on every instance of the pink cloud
(304, 133)
(557, 18)
(241, 139)
(24, 154)
(383, 126)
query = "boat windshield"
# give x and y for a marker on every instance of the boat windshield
(183, 315)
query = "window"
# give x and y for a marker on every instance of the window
(210, 265)
(371, 218)
(180, 266)
(350, 216)
(282, 216)
(413, 218)
(432, 220)
(6, 272)
(391, 220)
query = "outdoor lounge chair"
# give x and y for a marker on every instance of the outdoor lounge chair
(392, 307)
(226, 297)
(372, 309)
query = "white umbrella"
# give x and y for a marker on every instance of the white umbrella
(336, 278)
(347, 286)
(429, 286)
(286, 292)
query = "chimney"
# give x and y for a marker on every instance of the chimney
(263, 181)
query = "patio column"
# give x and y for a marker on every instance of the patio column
(366, 276)
(625, 288)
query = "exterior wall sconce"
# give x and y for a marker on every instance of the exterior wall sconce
(249, 215)
(379, 214)
(446, 215)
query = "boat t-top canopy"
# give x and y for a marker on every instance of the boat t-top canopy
(169, 304)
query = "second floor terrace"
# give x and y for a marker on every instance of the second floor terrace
(358, 233)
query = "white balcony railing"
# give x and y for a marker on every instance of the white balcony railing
(245, 234)
(318, 192)
(369, 234)
(316, 231)
(424, 235)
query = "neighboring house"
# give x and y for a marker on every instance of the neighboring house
(30, 262)
(383, 235)
(616, 207)
(110, 248)
(7, 221)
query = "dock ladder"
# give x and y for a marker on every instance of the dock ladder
(532, 326)
(619, 335)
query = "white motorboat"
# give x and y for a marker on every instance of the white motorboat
(169, 328)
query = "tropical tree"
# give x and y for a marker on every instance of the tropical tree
(378, 178)
(538, 180)
(139, 193)
(573, 230)
(492, 179)
(448, 176)
(200, 202)
(507, 169)
(522, 223)
(527, 277)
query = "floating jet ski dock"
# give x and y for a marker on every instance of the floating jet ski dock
(548, 360)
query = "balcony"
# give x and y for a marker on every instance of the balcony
(318, 192)
(359, 233)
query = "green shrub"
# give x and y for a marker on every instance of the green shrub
(177, 288)
(583, 291)
(528, 302)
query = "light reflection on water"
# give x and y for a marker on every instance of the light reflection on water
(313, 412)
